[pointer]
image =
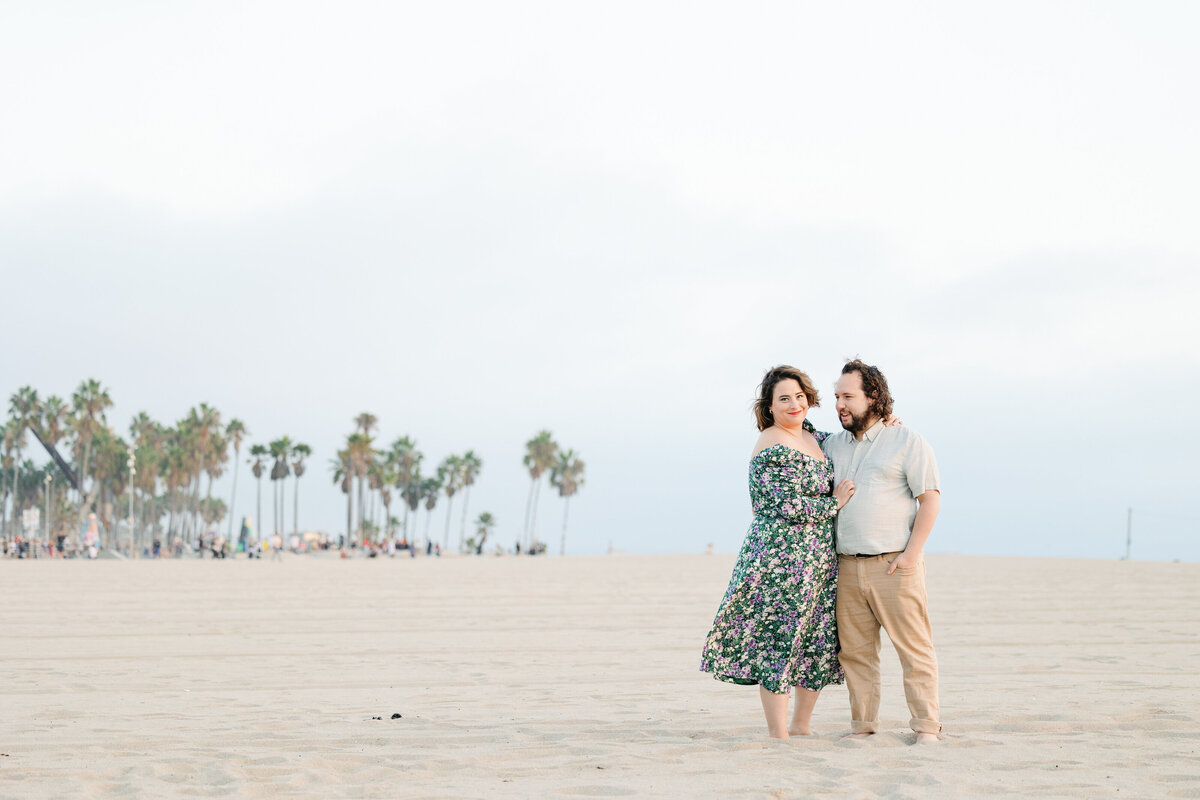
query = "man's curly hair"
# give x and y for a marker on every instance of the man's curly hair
(875, 387)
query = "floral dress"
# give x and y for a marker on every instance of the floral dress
(776, 625)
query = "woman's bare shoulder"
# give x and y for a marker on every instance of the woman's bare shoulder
(768, 438)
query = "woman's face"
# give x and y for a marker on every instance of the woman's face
(789, 404)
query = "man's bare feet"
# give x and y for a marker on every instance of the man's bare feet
(799, 732)
(927, 738)
(860, 736)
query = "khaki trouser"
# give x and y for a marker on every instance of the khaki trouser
(867, 597)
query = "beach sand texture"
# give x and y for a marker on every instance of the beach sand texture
(573, 677)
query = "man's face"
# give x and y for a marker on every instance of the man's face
(852, 404)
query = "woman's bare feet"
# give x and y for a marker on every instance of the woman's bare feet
(927, 738)
(802, 716)
(860, 736)
(775, 707)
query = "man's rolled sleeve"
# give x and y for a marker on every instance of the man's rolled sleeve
(920, 468)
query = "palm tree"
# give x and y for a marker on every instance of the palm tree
(147, 437)
(49, 426)
(14, 441)
(210, 453)
(407, 462)
(364, 456)
(300, 451)
(567, 477)
(386, 474)
(110, 474)
(185, 450)
(215, 459)
(258, 452)
(366, 422)
(175, 474)
(375, 485)
(279, 450)
(430, 489)
(483, 526)
(450, 472)
(343, 474)
(236, 432)
(411, 494)
(540, 452)
(23, 409)
(471, 465)
(361, 453)
(212, 511)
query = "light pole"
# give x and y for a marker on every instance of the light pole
(132, 464)
(46, 481)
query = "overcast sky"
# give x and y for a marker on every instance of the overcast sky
(477, 220)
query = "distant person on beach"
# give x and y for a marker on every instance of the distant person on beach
(880, 542)
(277, 547)
(776, 626)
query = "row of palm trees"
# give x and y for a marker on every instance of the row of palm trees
(566, 474)
(166, 472)
(368, 475)
(161, 471)
(277, 454)
(372, 477)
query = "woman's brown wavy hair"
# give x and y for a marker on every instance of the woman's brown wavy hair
(766, 392)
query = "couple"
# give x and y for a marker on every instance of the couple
(798, 591)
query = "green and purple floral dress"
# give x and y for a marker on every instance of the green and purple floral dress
(776, 625)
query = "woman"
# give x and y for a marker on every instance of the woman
(776, 625)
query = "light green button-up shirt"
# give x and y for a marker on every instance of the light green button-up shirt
(890, 467)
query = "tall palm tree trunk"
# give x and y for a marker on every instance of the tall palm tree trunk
(83, 504)
(358, 534)
(208, 497)
(258, 520)
(462, 533)
(296, 507)
(528, 508)
(16, 461)
(197, 523)
(562, 547)
(233, 496)
(537, 495)
(449, 507)
(349, 516)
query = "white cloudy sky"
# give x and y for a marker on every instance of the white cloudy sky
(476, 220)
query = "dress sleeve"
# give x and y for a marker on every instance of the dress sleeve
(781, 494)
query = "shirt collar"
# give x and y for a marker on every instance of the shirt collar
(873, 431)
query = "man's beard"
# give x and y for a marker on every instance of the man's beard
(857, 423)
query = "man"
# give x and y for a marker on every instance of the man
(881, 534)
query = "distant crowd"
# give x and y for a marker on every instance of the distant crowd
(212, 545)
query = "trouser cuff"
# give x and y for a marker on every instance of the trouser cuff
(863, 726)
(925, 725)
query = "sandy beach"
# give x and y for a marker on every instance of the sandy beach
(570, 677)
